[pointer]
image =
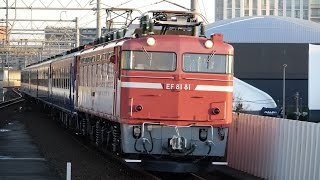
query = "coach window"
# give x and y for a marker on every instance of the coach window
(59, 77)
(207, 63)
(53, 77)
(89, 75)
(148, 61)
(65, 77)
(68, 77)
(85, 76)
(63, 74)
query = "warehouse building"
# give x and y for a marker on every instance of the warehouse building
(269, 47)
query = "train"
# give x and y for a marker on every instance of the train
(158, 96)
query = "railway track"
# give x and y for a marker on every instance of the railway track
(111, 157)
(13, 101)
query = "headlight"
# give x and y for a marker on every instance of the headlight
(138, 108)
(208, 44)
(151, 41)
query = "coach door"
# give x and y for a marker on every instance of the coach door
(115, 59)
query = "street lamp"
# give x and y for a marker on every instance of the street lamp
(284, 91)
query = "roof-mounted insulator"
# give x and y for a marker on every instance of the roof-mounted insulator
(111, 36)
(96, 41)
(118, 34)
(124, 32)
(145, 21)
(150, 30)
(202, 30)
(101, 39)
(107, 38)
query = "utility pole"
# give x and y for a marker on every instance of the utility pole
(195, 10)
(297, 105)
(7, 40)
(98, 18)
(77, 33)
(284, 91)
(7, 22)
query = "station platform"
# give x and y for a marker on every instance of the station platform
(20, 159)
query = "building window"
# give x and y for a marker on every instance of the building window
(297, 13)
(305, 14)
(280, 13)
(237, 4)
(288, 13)
(229, 4)
(254, 12)
(229, 13)
(297, 4)
(246, 4)
(264, 12)
(246, 12)
(280, 4)
(271, 12)
(254, 4)
(237, 11)
(315, 12)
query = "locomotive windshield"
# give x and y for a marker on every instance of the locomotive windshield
(149, 61)
(208, 63)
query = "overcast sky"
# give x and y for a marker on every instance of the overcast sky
(87, 18)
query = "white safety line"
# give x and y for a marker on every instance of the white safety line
(220, 163)
(22, 159)
(133, 160)
(141, 85)
(214, 88)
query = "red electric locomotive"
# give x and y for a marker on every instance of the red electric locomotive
(160, 97)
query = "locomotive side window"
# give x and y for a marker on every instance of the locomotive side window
(207, 63)
(99, 75)
(89, 82)
(149, 61)
(105, 76)
(94, 75)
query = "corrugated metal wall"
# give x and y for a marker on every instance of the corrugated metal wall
(274, 148)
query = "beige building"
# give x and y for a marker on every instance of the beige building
(2, 35)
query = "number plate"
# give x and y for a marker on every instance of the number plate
(186, 87)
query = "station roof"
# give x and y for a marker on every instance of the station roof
(266, 29)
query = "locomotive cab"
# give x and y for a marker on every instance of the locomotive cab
(177, 84)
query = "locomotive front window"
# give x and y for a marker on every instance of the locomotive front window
(149, 61)
(208, 63)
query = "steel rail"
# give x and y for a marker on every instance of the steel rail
(12, 101)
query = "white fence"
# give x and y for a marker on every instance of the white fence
(274, 148)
